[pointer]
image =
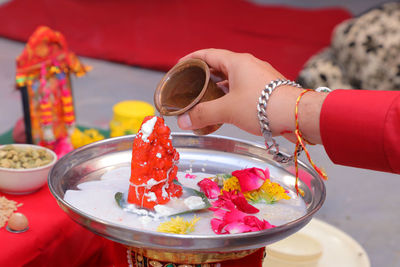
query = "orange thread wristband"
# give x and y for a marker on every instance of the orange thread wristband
(301, 143)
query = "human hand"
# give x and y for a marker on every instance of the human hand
(245, 77)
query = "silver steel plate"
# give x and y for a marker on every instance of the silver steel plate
(216, 154)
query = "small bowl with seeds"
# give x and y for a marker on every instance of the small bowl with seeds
(24, 167)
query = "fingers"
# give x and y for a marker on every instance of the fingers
(224, 86)
(206, 113)
(215, 58)
(217, 75)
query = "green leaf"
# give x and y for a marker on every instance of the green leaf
(203, 197)
(224, 175)
(193, 192)
(177, 182)
(119, 198)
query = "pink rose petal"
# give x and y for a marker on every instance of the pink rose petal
(248, 224)
(233, 216)
(241, 203)
(217, 225)
(190, 176)
(231, 211)
(233, 200)
(220, 213)
(209, 188)
(253, 221)
(251, 178)
(237, 227)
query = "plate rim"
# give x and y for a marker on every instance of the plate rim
(295, 224)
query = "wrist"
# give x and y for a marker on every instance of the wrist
(270, 143)
(309, 115)
(281, 113)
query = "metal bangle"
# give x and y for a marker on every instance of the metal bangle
(270, 143)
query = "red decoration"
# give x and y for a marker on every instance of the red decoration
(153, 167)
(231, 215)
(43, 70)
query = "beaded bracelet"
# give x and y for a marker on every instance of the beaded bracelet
(272, 148)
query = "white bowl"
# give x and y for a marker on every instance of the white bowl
(25, 181)
(297, 250)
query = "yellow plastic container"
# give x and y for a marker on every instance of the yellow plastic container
(128, 116)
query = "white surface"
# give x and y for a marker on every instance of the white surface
(339, 249)
(96, 198)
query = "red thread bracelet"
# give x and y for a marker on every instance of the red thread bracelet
(301, 141)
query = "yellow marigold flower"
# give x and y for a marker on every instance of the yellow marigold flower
(79, 138)
(231, 184)
(76, 138)
(269, 192)
(178, 225)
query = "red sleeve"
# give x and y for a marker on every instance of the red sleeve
(361, 128)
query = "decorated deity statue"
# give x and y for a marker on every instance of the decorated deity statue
(43, 77)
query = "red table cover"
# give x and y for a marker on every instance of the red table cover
(53, 239)
(155, 34)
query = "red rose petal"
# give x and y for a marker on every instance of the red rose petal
(217, 225)
(230, 215)
(241, 203)
(251, 178)
(237, 227)
(209, 188)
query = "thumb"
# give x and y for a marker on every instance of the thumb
(204, 114)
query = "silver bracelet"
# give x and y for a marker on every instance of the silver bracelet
(270, 143)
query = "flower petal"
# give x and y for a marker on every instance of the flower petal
(254, 222)
(233, 216)
(237, 227)
(251, 178)
(241, 203)
(209, 188)
(190, 176)
(217, 225)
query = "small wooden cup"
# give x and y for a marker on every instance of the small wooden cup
(185, 85)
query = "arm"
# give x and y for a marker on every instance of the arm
(362, 129)
(357, 128)
(246, 76)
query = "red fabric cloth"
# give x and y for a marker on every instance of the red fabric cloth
(53, 239)
(254, 260)
(155, 34)
(119, 254)
(361, 128)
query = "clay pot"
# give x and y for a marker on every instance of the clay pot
(185, 85)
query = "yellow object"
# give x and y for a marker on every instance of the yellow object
(79, 138)
(128, 116)
(178, 225)
(269, 192)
